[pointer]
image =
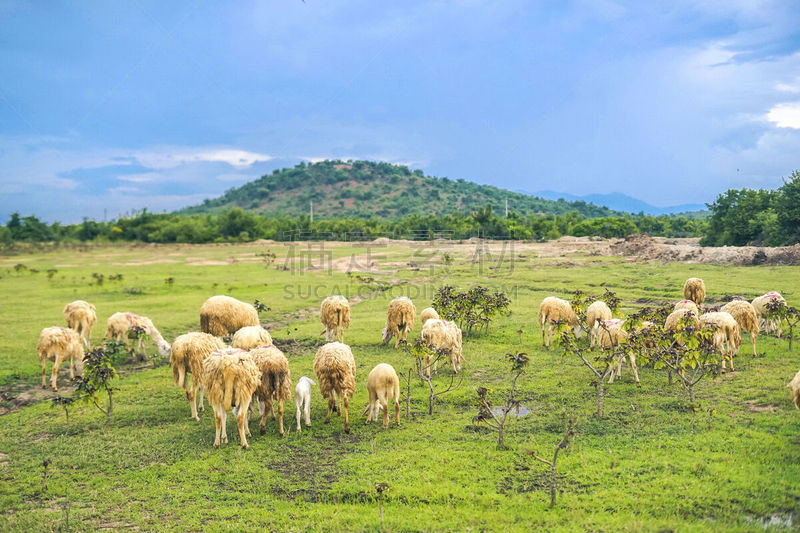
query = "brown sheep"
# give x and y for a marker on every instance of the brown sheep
(383, 385)
(427, 314)
(230, 377)
(223, 315)
(443, 335)
(695, 290)
(686, 304)
(745, 315)
(119, 324)
(81, 317)
(727, 337)
(335, 316)
(276, 383)
(598, 311)
(250, 337)
(770, 325)
(794, 387)
(400, 318)
(553, 310)
(188, 353)
(335, 368)
(58, 344)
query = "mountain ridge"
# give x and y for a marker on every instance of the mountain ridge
(620, 202)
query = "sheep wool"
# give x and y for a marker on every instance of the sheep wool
(445, 336)
(276, 383)
(57, 344)
(302, 400)
(427, 314)
(223, 315)
(769, 325)
(598, 311)
(383, 385)
(188, 353)
(230, 378)
(335, 368)
(686, 304)
(553, 310)
(250, 337)
(81, 317)
(400, 318)
(794, 387)
(335, 316)
(745, 315)
(695, 290)
(727, 337)
(117, 329)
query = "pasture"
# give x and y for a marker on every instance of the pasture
(642, 467)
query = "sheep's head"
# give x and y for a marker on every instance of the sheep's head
(578, 330)
(163, 348)
(387, 335)
(79, 364)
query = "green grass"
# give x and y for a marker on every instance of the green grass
(641, 468)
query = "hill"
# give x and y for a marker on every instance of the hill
(372, 189)
(623, 202)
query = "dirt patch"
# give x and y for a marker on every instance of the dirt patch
(648, 249)
(143, 263)
(754, 407)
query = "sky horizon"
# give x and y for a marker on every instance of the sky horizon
(108, 108)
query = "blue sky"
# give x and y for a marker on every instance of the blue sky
(112, 106)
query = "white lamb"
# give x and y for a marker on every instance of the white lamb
(302, 400)
(383, 385)
(769, 325)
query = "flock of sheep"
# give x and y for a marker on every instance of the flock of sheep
(252, 367)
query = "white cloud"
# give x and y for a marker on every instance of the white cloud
(788, 87)
(139, 178)
(786, 115)
(171, 158)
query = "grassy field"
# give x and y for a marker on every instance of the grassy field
(640, 468)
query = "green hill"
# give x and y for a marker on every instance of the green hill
(367, 189)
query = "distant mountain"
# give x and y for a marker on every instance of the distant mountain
(621, 202)
(371, 189)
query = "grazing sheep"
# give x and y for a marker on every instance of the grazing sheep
(119, 324)
(727, 337)
(335, 368)
(671, 323)
(686, 304)
(769, 325)
(445, 336)
(302, 400)
(610, 336)
(188, 353)
(400, 318)
(794, 386)
(58, 344)
(81, 317)
(745, 315)
(250, 337)
(276, 383)
(335, 316)
(223, 315)
(695, 290)
(230, 377)
(553, 310)
(383, 385)
(598, 311)
(428, 313)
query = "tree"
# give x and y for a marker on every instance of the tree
(487, 413)
(788, 209)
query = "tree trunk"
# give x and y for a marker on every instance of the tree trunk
(691, 392)
(500, 435)
(553, 479)
(600, 398)
(669, 375)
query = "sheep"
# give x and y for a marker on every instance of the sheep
(335, 369)
(188, 353)
(445, 336)
(428, 313)
(686, 304)
(302, 399)
(335, 316)
(596, 312)
(81, 317)
(553, 310)
(745, 315)
(230, 377)
(770, 325)
(250, 337)
(383, 385)
(400, 318)
(610, 336)
(727, 337)
(117, 329)
(695, 290)
(276, 383)
(223, 315)
(794, 387)
(58, 343)
(671, 323)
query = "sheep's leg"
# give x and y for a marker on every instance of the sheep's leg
(331, 407)
(307, 409)
(72, 368)
(550, 331)
(635, 369)
(202, 392)
(218, 418)
(385, 405)
(191, 395)
(241, 422)
(44, 372)
(54, 377)
(346, 414)
(224, 425)
(397, 411)
(262, 416)
(753, 337)
(280, 417)
(297, 416)
(543, 334)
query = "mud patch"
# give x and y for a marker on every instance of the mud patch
(754, 407)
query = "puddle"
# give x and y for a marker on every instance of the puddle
(518, 413)
(776, 520)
